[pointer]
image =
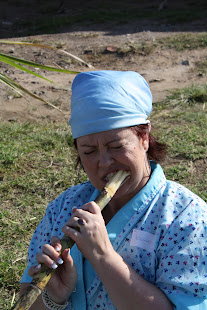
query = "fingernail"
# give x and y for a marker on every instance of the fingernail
(57, 248)
(38, 266)
(73, 208)
(54, 266)
(60, 261)
(68, 252)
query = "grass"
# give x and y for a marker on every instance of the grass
(178, 42)
(181, 120)
(37, 164)
(181, 42)
(136, 48)
(201, 67)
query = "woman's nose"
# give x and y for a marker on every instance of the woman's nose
(105, 159)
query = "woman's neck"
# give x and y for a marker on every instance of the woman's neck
(111, 209)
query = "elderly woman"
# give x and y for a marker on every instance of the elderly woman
(147, 248)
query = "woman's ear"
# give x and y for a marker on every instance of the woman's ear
(145, 139)
(145, 143)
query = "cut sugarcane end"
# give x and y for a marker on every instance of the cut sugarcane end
(115, 182)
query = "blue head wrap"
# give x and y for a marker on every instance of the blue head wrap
(105, 100)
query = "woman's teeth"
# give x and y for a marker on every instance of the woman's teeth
(110, 175)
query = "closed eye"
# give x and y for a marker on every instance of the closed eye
(116, 147)
(88, 153)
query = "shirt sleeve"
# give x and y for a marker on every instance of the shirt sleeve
(57, 213)
(41, 236)
(181, 273)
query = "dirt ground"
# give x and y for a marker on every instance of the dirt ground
(164, 69)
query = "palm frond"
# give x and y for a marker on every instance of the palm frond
(18, 89)
(8, 60)
(34, 64)
(49, 47)
(21, 64)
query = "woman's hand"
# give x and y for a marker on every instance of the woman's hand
(131, 291)
(92, 238)
(63, 280)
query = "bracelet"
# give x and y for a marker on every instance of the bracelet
(50, 304)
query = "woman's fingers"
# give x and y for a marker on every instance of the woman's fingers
(49, 256)
(81, 218)
(42, 258)
(67, 258)
(55, 242)
(91, 207)
(46, 260)
(71, 232)
(34, 269)
(84, 213)
(76, 224)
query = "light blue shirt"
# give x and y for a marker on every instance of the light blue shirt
(160, 233)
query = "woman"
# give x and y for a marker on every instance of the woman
(147, 248)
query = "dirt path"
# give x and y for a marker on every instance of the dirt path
(164, 69)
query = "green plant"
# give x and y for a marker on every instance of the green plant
(135, 48)
(23, 65)
(181, 120)
(181, 42)
(201, 67)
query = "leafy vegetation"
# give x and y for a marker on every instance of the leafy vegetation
(178, 42)
(181, 120)
(37, 164)
(22, 65)
(136, 48)
(201, 67)
(182, 42)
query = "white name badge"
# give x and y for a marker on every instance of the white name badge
(143, 239)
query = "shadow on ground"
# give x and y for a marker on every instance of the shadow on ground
(29, 17)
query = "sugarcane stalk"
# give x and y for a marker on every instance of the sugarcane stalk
(41, 279)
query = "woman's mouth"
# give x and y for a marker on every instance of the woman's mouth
(109, 176)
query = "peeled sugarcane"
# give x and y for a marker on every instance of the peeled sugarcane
(41, 279)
